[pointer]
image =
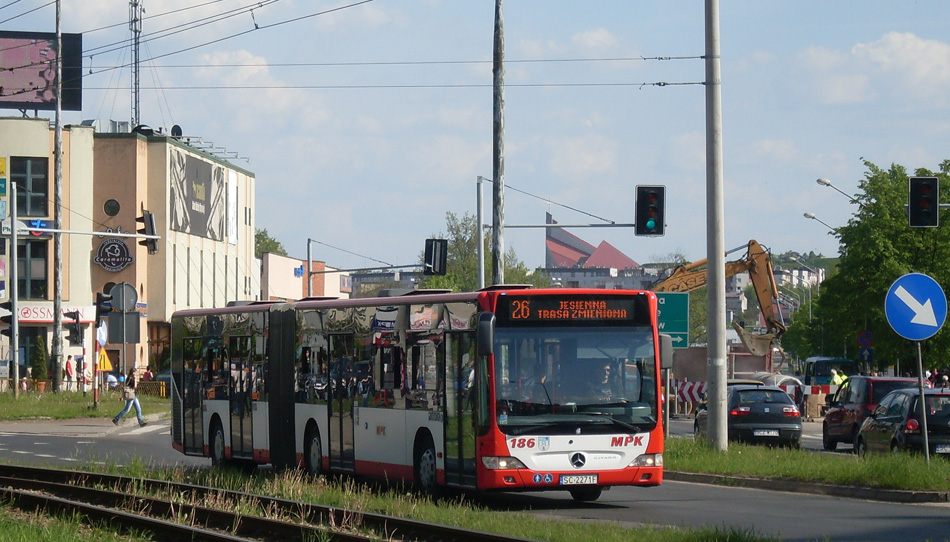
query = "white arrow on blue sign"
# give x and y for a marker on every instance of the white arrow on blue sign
(916, 306)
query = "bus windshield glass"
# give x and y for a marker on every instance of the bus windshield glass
(555, 380)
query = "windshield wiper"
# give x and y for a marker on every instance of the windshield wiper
(621, 423)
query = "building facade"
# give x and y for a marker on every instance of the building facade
(203, 209)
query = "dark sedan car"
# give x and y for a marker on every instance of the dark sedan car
(895, 425)
(757, 414)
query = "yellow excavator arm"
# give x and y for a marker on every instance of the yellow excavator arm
(758, 263)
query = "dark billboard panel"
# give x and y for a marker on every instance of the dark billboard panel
(198, 196)
(28, 71)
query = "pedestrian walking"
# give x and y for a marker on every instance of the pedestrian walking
(128, 395)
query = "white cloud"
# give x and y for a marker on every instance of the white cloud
(583, 156)
(901, 68)
(599, 40)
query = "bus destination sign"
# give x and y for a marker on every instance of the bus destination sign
(553, 310)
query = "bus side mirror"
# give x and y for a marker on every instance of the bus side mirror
(485, 334)
(666, 351)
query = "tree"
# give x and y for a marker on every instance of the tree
(39, 361)
(263, 242)
(462, 259)
(877, 246)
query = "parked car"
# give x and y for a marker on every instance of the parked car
(757, 414)
(853, 403)
(895, 425)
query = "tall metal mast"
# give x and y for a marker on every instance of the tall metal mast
(136, 9)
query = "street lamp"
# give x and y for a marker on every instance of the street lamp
(813, 217)
(825, 182)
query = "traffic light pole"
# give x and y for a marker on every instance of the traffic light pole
(14, 313)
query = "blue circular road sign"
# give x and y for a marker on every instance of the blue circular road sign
(916, 306)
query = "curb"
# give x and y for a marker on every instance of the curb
(791, 486)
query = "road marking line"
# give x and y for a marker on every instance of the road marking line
(146, 429)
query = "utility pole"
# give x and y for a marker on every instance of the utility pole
(57, 346)
(715, 239)
(498, 149)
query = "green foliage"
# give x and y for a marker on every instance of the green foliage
(263, 242)
(876, 247)
(39, 360)
(462, 259)
(72, 405)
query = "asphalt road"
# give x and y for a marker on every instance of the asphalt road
(793, 517)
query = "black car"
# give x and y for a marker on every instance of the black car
(895, 425)
(757, 414)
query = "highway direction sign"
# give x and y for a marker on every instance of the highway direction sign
(916, 306)
(673, 316)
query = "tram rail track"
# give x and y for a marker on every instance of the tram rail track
(115, 499)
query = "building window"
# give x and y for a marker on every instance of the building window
(32, 270)
(31, 176)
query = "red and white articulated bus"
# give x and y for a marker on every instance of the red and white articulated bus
(502, 389)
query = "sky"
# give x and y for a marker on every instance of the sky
(366, 122)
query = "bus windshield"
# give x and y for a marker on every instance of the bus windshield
(558, 379)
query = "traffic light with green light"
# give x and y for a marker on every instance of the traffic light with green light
(923, 209)
(651, 210)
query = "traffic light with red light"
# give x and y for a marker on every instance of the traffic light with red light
(651, 210)
(924, 202)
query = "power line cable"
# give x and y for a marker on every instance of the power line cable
(10, 4)
(26, 12)
(550, 202)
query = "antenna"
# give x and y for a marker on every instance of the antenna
(136, 9)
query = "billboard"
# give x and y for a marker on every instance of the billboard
(28, 75)
(198, 196)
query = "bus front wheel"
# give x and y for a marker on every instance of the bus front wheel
(586, 494)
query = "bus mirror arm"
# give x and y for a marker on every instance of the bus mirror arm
(666, 351)
(486, 334)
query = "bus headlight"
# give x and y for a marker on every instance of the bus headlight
(648, 460)
(500, 463)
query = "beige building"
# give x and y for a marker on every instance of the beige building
(203, 208)
(27, 159)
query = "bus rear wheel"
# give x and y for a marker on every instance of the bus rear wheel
(313, 451)
(217, 445)
(587, 493)
(426, 467)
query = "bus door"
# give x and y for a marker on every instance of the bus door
(459, 409)
(191, 389)
(342, 389)
(239, 399)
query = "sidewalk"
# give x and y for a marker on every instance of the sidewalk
(77, 427)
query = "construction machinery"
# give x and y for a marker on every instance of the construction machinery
(758, 263)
